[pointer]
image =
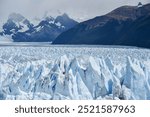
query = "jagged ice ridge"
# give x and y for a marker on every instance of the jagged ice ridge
(79, 77)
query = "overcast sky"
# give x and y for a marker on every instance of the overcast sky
(77, 9)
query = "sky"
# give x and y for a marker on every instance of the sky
(77, 9)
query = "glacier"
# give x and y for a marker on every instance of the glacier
(74, 73)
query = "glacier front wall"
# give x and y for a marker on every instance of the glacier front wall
(81, 77)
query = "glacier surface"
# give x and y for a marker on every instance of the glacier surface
(74, 73)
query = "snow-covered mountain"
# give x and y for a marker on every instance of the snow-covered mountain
(22, 30)
(16, 23)
(76, 77)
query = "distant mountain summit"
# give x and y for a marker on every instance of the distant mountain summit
(47, 30)
(112, 28)
(65, 20)
(16, 23)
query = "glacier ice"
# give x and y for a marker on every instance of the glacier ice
(74, 78)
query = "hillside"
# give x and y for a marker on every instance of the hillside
(122, 26)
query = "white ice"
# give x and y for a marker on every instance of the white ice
(41, 73)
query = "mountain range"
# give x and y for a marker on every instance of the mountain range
(126, 25)
(22, 30)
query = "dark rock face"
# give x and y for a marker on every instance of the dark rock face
(138, 34)
(121, 26)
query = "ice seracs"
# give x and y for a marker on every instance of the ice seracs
(81, 77)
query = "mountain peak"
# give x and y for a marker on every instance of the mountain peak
(66, 20)
(16, 17)
(65, 15)
(49, 18)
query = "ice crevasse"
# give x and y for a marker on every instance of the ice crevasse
(83, 77)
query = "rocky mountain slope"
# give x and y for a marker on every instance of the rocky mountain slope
(127, 25)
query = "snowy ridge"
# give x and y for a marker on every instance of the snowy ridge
(46, 29)
(82, 77)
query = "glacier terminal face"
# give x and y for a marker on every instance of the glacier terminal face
(74, 73)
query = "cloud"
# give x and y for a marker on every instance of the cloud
(78, 9)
